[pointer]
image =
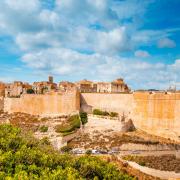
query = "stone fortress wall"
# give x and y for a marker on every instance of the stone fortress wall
(121, 103)
(45, 105)
(157, 113)
(1, 103)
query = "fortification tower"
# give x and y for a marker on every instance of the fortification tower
(50, 79)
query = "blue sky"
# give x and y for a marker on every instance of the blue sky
(98, 40)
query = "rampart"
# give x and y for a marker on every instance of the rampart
(121, 103)
(1, 103)
(157, 113)
(45, 105)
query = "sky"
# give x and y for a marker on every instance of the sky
(99, 40)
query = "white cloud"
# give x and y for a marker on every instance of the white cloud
(19, 5)
(166, 43)
(69, 63)
(113, 41)
(142, 54)
(85, 39)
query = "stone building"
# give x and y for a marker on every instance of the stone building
(116, 86)
(16, 89)
(66, 85)
(119, 85)
(44, 86)
(103, 87)
(86, 86)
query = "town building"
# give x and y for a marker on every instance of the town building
(44, 86)
(66, 85)
(116, 86)
(16, 89)
(86, 86)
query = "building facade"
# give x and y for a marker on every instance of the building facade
(86, 86)
(16, 89)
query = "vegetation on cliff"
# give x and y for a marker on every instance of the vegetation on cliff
(104, 113)
(72, 124)
(23, 157)
(84, 118)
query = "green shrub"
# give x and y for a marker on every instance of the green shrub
(89, 152)
(43, 128)
(30, 91)
(84, 118)
(97, 112)
(105, 113)
(72, 124)
(142, 163)
(66, 149)
(24, 157)
(113, 114)
(45, 141)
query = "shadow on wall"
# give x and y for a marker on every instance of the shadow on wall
(84, 107)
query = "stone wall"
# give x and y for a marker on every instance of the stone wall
(1, 103)
(2, 89)
(121, 103)
(45, 105)
(157, 113)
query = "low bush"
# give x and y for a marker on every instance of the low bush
(66, 149)
(97, 112)
(89, 152)
(72, 124)
(113, 114)
(43, 128)
(104, 113)
(84, 118)
(30, 91)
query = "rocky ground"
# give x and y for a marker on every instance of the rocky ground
(42, 127)
(96, 134)
(164, 163)
(109, 140)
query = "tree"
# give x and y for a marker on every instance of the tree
(84, 117)
(30, 91)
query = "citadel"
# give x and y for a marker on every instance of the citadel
(154, 112)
